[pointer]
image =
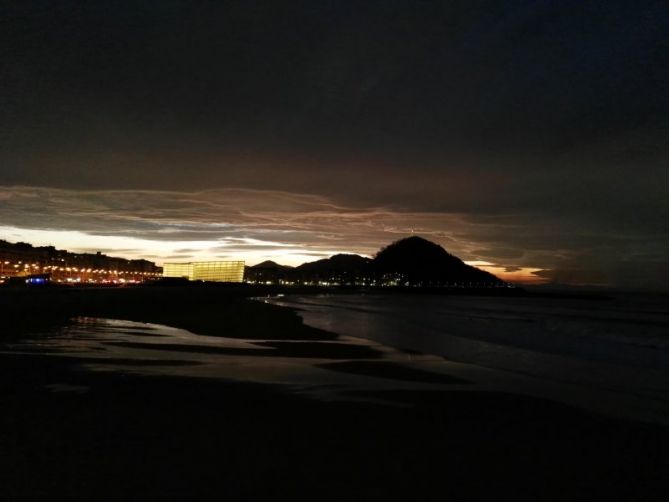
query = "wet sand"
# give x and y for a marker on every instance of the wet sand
(275, 349)
(72, 431)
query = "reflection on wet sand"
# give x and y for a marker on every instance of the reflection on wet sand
(393, 371)
(306, 367)
(318, 350)
(103, 407)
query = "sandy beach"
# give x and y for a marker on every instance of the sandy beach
(175, 392)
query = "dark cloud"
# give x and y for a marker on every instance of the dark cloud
(250, 222)
(498, 253)
(521, 133)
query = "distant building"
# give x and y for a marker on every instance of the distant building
(217, 271)
(24, 260)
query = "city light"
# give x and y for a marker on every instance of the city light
(41, 265)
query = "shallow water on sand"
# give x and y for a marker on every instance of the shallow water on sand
(607, 355)
(329, 370)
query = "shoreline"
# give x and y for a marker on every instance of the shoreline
(520, 345)
(118, 434)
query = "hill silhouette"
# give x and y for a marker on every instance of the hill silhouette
(421, 262)
(270, 265)
(267, 271)
(413, 261)
(338, 267)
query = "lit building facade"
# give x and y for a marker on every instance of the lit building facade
(23, 260)
(215, 271)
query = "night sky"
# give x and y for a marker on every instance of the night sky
(531, 136)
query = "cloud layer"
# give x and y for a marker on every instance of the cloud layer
(527, 135)
(292, 228)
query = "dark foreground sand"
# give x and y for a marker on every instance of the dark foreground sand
(131, 436)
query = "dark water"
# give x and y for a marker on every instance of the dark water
(610, 355)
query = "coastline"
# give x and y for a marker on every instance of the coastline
(119, 434)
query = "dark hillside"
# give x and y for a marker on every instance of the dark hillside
(421, 262)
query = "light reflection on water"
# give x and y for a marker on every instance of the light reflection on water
(323, 369)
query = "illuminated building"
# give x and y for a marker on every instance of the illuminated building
(218, 271)
(24, 260)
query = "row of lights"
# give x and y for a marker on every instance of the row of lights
(75, 269)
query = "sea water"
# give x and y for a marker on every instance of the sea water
(610, 354)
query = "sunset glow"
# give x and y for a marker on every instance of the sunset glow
(162, 251)
(294, 148)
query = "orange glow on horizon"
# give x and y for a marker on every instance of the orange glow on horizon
(165, 251)
(524, 275)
